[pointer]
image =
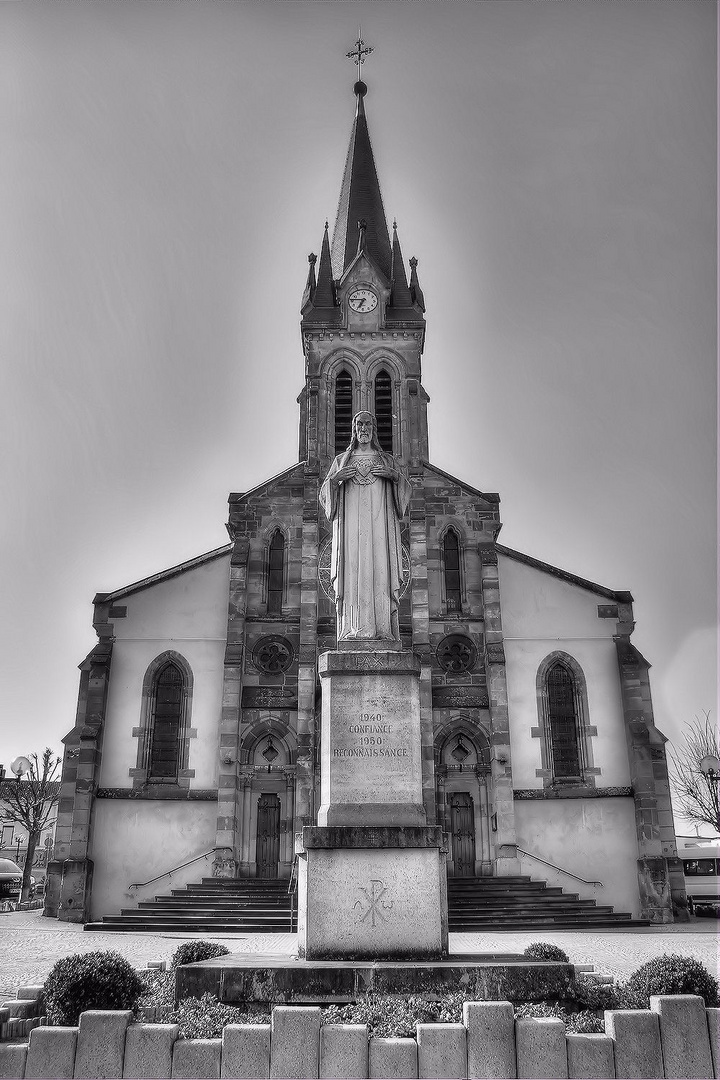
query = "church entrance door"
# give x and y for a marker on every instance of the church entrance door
(268, 836)
(462, 825)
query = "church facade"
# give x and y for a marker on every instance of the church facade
(196, 743)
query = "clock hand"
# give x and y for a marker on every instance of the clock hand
(361, 301)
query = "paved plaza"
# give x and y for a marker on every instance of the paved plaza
(30, 944)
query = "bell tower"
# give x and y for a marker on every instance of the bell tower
(362, 325)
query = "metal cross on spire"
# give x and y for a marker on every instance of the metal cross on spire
(359, 53)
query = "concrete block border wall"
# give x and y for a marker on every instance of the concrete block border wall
(677, 1037)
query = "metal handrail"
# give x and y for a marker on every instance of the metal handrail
(559, 868)
(169, 873)
(292, 891)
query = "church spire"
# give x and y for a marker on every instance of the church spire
(360, 200)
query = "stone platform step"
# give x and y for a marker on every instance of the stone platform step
(521, 903)
(211, 906)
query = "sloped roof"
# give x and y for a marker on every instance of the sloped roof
(564, 575)
(164, 575)
(488, 496)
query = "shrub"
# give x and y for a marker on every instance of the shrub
(205, 1017)
(596, 996)
(583, 1023)
(580, 1022)
(672, 974)
(192, 952)
(390, 1017)
(543, 950)
(94, 980)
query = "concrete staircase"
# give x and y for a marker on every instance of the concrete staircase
(262, 906)
(214, 906)
(519, 903)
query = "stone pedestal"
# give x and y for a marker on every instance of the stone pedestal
(370, 893)
(371, 874)
(371, 760)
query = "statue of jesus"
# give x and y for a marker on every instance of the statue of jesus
(364, 496)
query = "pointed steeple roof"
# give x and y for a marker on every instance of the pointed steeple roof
(319, 305)
(360, 199)
(325, 292)
(399, 291)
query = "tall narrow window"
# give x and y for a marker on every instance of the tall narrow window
(562, 714)
(383, 410)
(343, 411)
(276, 569)
(451, 566)
(164, 757)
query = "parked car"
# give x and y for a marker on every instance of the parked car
(10, 880)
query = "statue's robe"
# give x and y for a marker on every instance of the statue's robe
(366, 570)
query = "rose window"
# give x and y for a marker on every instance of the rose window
(273, 654)
(456, 653)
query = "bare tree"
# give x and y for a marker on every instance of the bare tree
(696, 787)
(30, 802)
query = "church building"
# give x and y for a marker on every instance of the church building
(196, 748)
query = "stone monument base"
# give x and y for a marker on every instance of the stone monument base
(372, 892)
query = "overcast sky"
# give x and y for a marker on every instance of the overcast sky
(167, 167)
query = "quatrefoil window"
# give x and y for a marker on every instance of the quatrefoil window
(456, 653)
(273, 654)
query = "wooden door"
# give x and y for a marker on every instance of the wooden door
(462, 824)
(268, 836)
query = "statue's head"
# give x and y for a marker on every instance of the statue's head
(364, 432)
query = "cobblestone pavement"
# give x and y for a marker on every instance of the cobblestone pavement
(30, 944)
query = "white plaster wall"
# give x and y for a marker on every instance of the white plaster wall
(542, 614)
(594, 838)
(187, 614)
(133, 840)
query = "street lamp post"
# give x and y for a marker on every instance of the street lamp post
(710, 767)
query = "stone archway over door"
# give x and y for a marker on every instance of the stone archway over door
(268, 836)
(462, 827)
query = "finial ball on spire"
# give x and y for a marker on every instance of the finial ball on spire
(360, 88)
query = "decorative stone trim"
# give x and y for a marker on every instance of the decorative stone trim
(572, 792)
(152, 792)
(494, 652)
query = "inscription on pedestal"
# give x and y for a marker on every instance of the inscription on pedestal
(371, 744)
(373, 739)
(374, 902)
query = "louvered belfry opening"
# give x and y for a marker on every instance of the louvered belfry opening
(563, 723)
(167, 714)
(451, 566)
(343, 411)
(276, 569)
(383, 410)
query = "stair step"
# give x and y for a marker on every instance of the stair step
(262, 905)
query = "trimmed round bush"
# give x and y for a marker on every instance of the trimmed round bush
(672, 974)
(94, 980)
(543, 950)
(192, 952)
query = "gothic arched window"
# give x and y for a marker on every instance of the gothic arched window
(166, 723)
(383, 410)
(563, 723)
(276, 571)
(343, 411)
(451, 570)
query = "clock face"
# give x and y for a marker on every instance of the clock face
(362, 300)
